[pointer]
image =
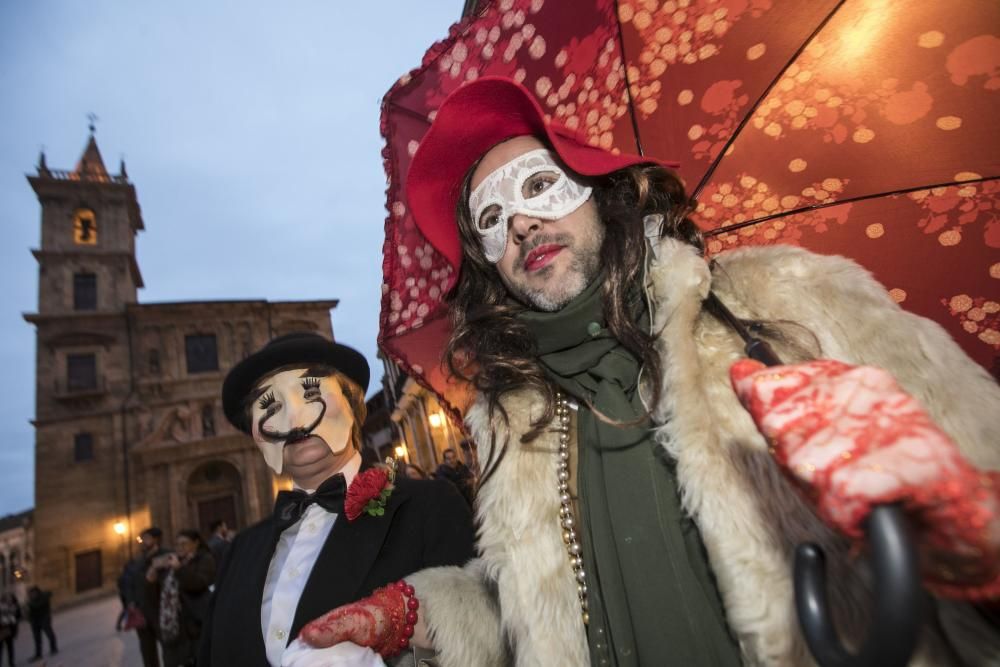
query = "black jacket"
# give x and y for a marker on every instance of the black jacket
(193, 579)
(426, 524)
(460, 476)
(40, 608)
(146, 594)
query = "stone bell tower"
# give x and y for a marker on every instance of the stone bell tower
(89, 223)
(87, 275)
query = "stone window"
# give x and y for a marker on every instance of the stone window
(207, 421)
(153, 361)
(84, 291)
(83, 447)
(81, 372)
(202, 356)
(88, 570)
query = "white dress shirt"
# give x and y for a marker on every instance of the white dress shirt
(292, 563)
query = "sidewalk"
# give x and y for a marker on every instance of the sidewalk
(86, 637)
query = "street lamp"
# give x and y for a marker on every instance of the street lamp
(120, 528)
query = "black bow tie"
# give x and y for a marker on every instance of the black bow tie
(290, 505)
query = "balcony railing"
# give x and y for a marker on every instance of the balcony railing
(65, 175)
(66, 390)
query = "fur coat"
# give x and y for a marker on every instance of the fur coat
(517, 603)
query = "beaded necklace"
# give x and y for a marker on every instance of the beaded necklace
(566, 519)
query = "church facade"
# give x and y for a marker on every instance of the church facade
(129, 430)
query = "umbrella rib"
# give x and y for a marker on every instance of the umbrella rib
(756, 104)
(408, 111)
(851, 200)
(628, 84)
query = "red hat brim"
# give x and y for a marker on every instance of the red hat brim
(471, 121)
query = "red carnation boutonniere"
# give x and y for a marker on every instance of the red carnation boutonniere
(369, 492)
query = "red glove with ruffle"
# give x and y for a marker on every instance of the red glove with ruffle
(851, 438)
(383, 621)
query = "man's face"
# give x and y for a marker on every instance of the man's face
(149, 543)
(450, 459)
(301, 421)
(546, 263)
(185, 546)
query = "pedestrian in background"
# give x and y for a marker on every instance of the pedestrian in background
(185, 577)
(413, 471)
(10, 616)
(40, 619)
(457, 473)
(146, 595)
(124, 586)
(219, 539)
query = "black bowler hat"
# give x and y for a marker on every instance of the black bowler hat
(293, 348)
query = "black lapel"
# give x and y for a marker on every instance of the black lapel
(344, 562)
(238, 611)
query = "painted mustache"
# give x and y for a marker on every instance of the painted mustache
(296, 433)
(539, 239)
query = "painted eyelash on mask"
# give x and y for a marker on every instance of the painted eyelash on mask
(266, 400)
(310, 383)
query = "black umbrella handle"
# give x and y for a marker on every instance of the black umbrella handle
(760, 351)
(899, 598)
(898, 615)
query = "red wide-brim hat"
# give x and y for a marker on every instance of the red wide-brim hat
(471, 121)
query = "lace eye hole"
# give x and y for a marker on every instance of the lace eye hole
(489, 218)
(538, 183)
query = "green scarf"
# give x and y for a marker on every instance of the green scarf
(651, 592)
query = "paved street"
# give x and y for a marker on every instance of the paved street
(86, 637)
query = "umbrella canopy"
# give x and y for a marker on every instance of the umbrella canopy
(862, 127)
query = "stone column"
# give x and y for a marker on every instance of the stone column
(251, 486)
(177, 499)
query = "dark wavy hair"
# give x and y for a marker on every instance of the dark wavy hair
(195, 537)
(490, 348)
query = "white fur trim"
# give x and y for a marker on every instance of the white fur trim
(520, 540)
(462, 616)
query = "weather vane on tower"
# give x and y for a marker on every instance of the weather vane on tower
(92, 117)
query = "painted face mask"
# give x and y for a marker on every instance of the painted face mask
(532, 184)
(296, 404)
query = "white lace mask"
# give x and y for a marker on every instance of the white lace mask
(532, 184)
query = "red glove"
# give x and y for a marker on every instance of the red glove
(851, 439)
(383, 621)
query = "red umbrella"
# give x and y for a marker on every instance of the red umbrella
(862, 127)
(857, 127)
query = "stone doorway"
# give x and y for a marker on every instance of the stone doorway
(215, 491)
(216, 509)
